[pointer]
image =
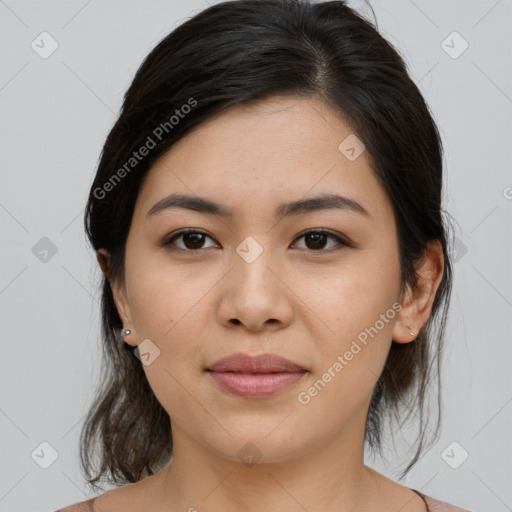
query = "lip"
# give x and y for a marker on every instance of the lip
(262, 363)
(255, 376)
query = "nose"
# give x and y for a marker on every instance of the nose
(256, 294)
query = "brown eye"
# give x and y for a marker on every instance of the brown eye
(191, 240)
(318, 239)
(315, 240)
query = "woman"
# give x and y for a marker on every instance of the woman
(267, 216)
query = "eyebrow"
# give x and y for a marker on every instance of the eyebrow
(302, 206)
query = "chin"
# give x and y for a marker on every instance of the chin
(251, 447)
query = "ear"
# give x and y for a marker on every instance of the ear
(417, 303)
(119, 293)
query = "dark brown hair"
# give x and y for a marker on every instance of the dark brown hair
(243, 51)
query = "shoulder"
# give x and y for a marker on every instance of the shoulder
(125, 498)
(83, 506)
(438, 506)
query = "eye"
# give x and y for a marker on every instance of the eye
(316, 240)
(192, 240)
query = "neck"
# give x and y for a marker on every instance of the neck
(327, 477)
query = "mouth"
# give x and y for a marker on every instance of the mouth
(255, 376)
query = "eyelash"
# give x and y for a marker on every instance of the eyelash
(168, 241)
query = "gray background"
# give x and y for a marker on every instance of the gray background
(55, 115)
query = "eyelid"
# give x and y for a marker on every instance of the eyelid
(341, 239)
(176, 234)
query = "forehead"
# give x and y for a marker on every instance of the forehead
(261, 153)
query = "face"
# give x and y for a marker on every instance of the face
(318, 285)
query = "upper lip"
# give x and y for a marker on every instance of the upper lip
(262, 363)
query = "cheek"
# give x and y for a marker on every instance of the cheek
(171, 307)
(352, 296)
(163, 296)
(360, 315)
(358, 304)
(170, 312)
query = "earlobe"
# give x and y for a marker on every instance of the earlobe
(125, 333)
(418, 301)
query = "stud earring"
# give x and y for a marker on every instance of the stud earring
(410, 332)
(125, 332)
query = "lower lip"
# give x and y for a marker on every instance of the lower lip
(255, 385)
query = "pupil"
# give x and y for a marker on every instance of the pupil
(193, 238)
(318, 240)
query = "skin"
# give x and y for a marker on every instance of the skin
(304, 303)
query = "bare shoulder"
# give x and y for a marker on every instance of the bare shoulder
(408, 499)
(110, 501)
(83, 506)
(393, 496)
(439, 506)
(128, 498)
(131, 497)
